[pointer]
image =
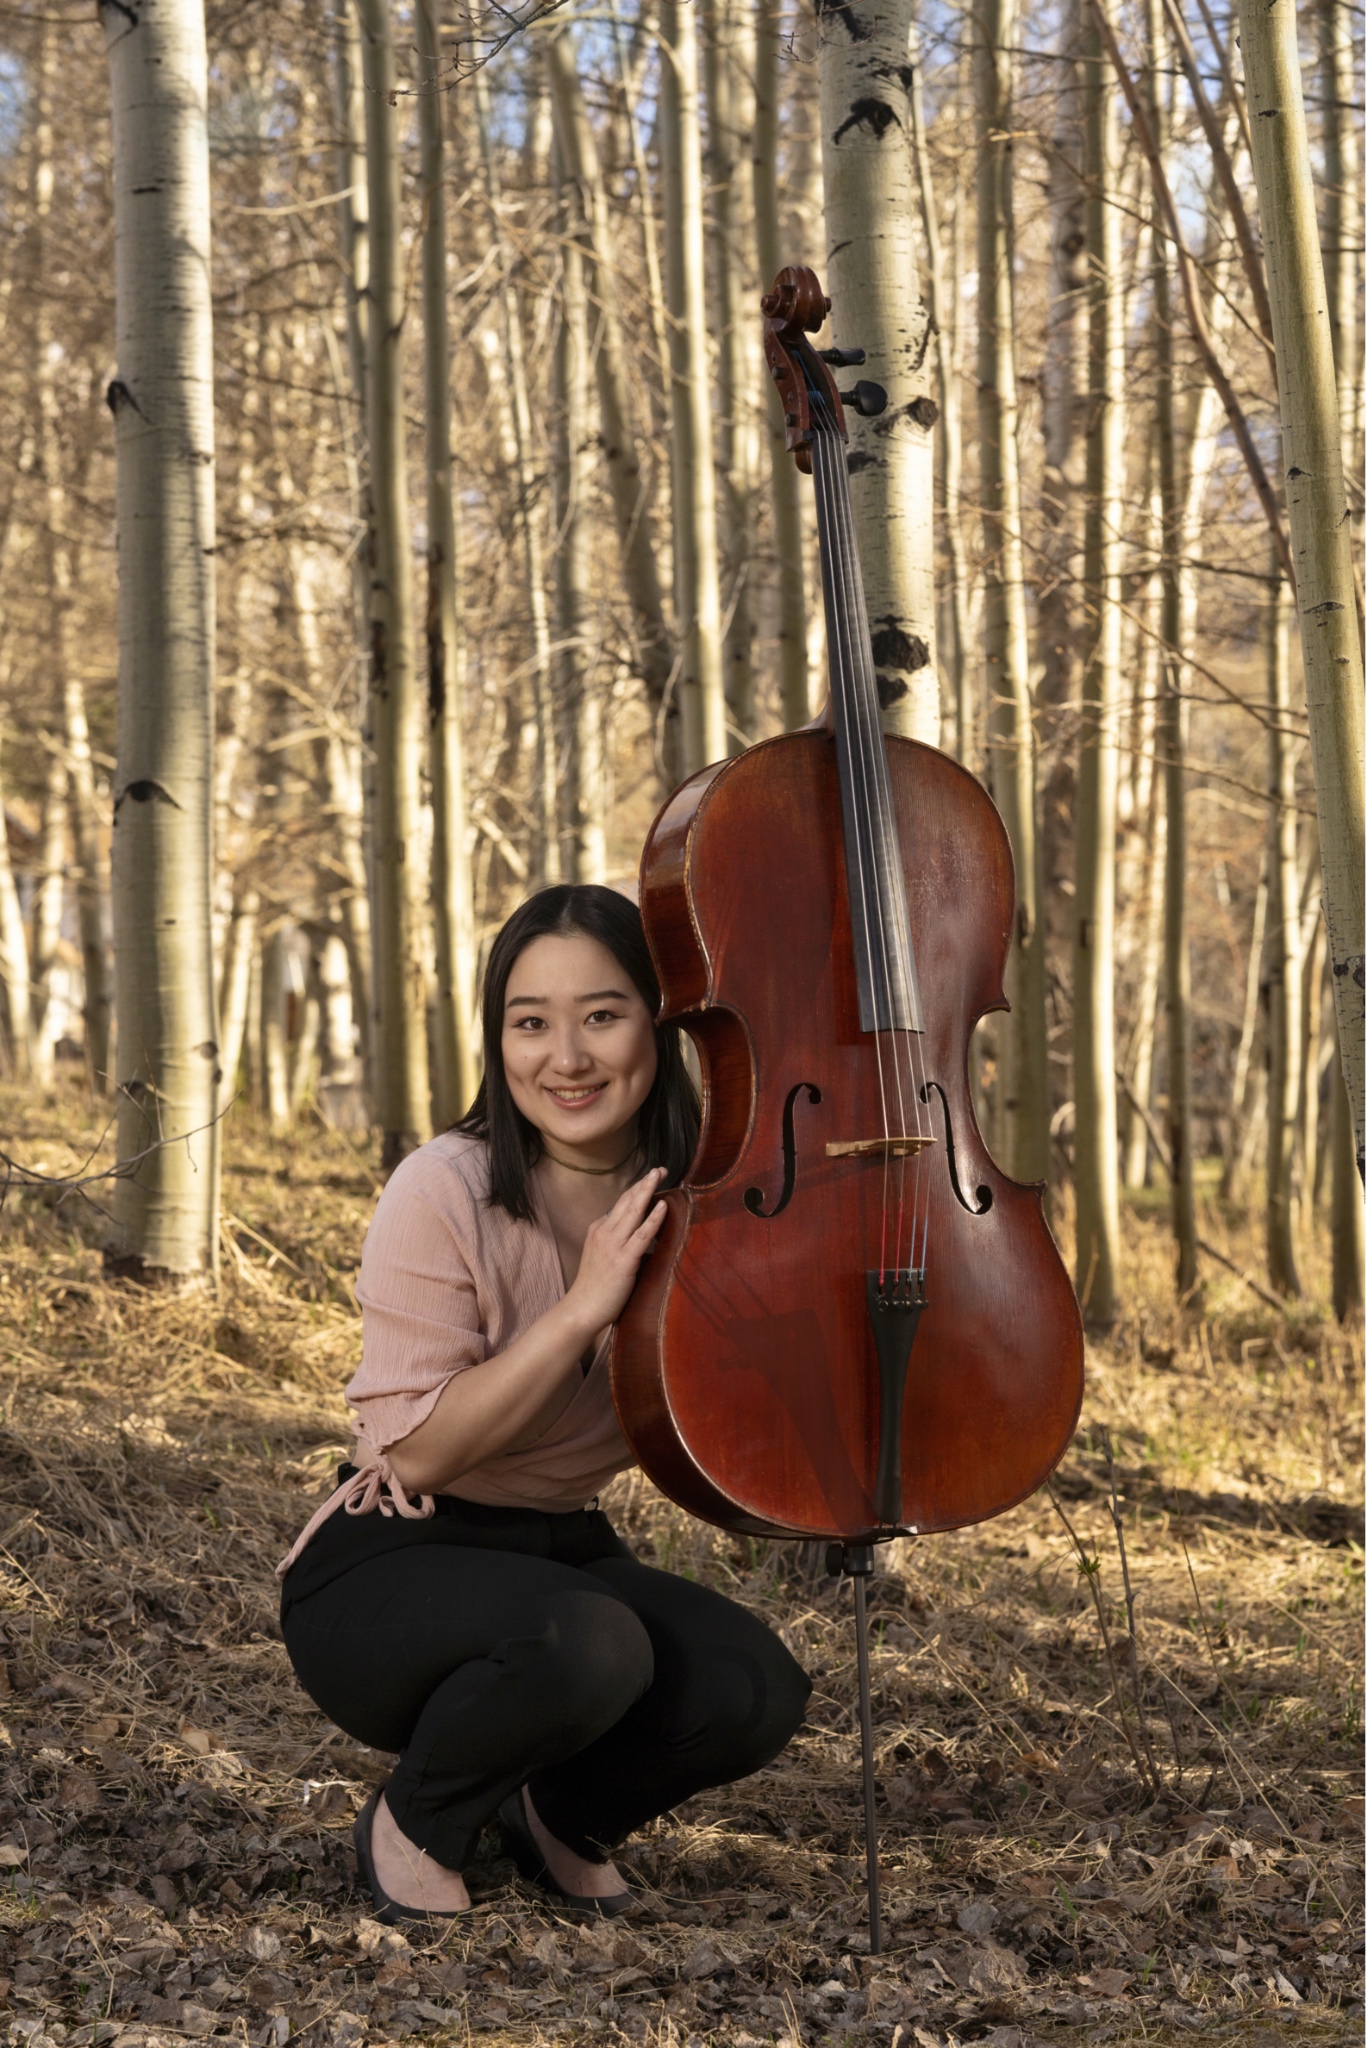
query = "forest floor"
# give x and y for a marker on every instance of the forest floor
(1076, 1848)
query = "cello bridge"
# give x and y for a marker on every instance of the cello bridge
(900, 1145)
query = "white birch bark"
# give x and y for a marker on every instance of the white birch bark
(401, 1079)
(456, 1072)
(1320, 533)
(49, 901)
(234, 990)
(1138, 1066)
(872, 277)
(1093, 960)
(1023, 1120)
(1349, 1252)
(950, 423)
(91, 878)
(1342, 252)
(578, 678)
(729, 54)
(697, 591)
(794, 694)
(274, 1040)
(165, 1205)
(1284, 959)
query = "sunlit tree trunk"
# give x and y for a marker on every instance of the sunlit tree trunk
(579, 679)
(784, 481)
(455, 1075)
(1342, 252)
(950, 422)
(1284, 960)
(1093, 963)
(1139, 1064)
(697, 594)
(401, 1083)
(1022, 1126)
(729, 53)
(533, 555)
(621, 455)
(15, 1005)
(165, 1223)
(872, 276)
(1178, 623)
(274, 1043)
(234, 990)
(1313, 944)
(1236, 1151)
(49, 901)
(1064, 376)
(1347, 1233)
(1320, 533)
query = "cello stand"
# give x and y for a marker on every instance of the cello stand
(855, 1561)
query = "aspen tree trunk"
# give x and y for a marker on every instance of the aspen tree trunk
(697, 595)
(1342, 218)
(1093, 964)
(950, 420)
(1320, 534)
(1139, 1065)
(729, 56)
(1064, 376)
(514, 364)
(579, 683)
(91, 880)
(621, 456)
(1023, 1124)
(15, 1007)
(273, 1041)
(1177, 635)
(48, 903)
(873, 280)
(649, 232)
(1349, 1255)
(165, 1206)
(1313, 943)
(401, 1082)
(1284, 959)
(1229, 1188)
(456, 1074)
(239, 950)
(794, 693)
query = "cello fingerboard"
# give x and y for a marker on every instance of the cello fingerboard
(884, 960)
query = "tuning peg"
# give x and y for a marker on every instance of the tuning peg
(843, 358)
(866, 398)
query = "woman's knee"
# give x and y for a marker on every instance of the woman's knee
(591, 1658)
(743, 1704)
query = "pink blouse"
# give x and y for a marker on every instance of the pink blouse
(447, 1280)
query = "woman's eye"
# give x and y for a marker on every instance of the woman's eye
(529, 1024)
(602, 1017)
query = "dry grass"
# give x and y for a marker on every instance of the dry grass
(1079, 1845)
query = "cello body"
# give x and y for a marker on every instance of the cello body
(745, 1368)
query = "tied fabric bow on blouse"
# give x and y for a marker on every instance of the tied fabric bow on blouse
(361, 1494)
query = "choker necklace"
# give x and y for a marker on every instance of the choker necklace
(570, 1167)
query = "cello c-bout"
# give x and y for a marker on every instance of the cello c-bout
(853, 1323)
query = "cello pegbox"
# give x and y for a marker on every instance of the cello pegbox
(795, 309)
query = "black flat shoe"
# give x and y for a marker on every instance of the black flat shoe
(520, 1845)
(386, 1909)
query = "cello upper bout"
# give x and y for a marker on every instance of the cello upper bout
(676, 945)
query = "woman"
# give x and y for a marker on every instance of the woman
(473, 1610)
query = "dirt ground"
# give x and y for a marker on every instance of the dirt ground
(1084, 1839)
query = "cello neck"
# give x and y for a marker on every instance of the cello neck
(884, 961)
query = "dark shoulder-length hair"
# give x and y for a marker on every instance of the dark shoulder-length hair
(670, 1114)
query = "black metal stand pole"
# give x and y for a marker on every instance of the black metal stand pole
(856, 1561)
(865, 1715)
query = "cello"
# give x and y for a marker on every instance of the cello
(852, 1326)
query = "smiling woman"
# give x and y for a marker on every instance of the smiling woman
(494, 1631)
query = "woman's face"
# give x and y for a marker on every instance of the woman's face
(578, 1046)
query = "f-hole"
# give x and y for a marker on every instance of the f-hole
(754, 1197)
(983, 1193)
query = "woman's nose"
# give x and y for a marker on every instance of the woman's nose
(568, 1054)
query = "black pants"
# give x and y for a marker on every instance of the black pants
(491, 1648)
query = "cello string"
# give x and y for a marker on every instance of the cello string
(847, 623)
(896, 926)
(842, 676)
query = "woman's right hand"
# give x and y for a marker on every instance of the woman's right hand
(613, 1248)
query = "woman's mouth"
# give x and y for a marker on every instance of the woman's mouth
(577, 1098)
